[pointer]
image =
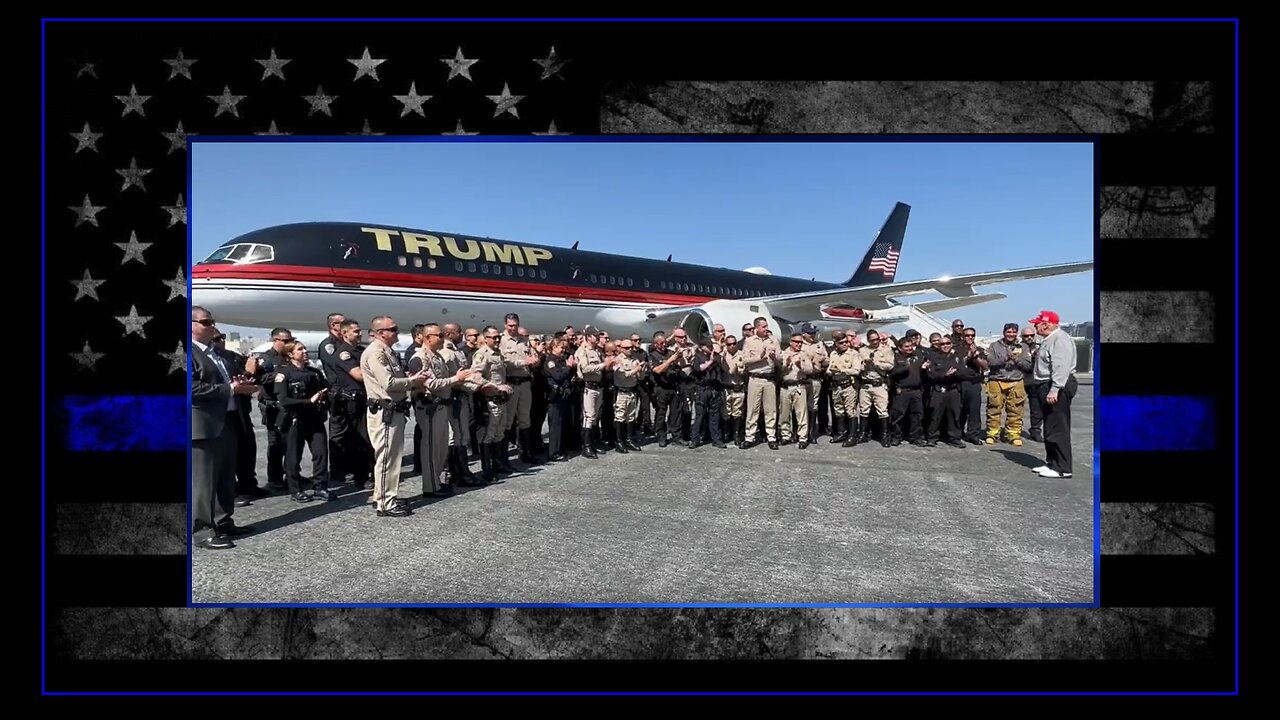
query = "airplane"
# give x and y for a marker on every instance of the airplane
(294, 275)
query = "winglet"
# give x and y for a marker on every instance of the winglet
(880, 264)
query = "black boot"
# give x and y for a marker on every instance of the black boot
(631, 443)
(863, 430)
(532, 444)
(853, 432)
(486, 463)
(464, 463)
(838, 429)
(886, 433)
(619, 431)
(588, 447)
(502, 457)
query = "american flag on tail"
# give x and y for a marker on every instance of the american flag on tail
(885, 259)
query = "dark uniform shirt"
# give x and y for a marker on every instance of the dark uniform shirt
(559, 378)
(345, 358)
(269, 363)
(713, 376)
(294, 387)
(969, 369)
(938, 366)
(663, 379)
(906, 370)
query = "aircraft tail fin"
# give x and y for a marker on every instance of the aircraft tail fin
(880, 264)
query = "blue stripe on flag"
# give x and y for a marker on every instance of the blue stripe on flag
(146, 423)
(1155, 422)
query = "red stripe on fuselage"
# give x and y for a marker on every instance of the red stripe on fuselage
(429, 281)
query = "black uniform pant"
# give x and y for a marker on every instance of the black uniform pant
(311, 434)
(708, 408)
(604, 421)
(559, 413)
(213, 480)
(538, 410)
(664, 399)
(1035, 391)
(971, 426)
(645, 422)
(349, 448)
(1057, 425)
(682, 418)
(417, 446)
(907, 404)
(246, 454)
(823, 419)
(275, 444)
(944, 406)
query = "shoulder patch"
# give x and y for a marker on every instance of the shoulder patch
(344, 355)
(328, 348)
(279, 377)
(551, 364)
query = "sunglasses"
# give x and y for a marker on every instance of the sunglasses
(970, 335)
(207, 322)
(473, 335)
(393, 328)
(944, 343)
(284, 340)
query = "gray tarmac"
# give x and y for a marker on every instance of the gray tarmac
(672, 525)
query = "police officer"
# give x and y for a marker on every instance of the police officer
(761, 356)
(644, 388)
(1031, 341)
(709, 373)
(490, 383)
(873, 379)
(301, 393)
(405, 357)
(1010, 361)
(818, 356)
(796, 367)
(626, 405)
(559, 404)
(590, 366)
(456, 359)
(682, 404)
(471, 343)
(349, 446)
(433, 405)
(520, 361)
(843, 366)
(269, 406)
(537, 406)
(387, 387)
(665, 388)
(944, 395)
(973, 367)
(908, 388)
(735, 389)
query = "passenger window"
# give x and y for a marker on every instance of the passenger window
(593, 277)
(646, 283)
(417, 261)
(402, 260)
(629, 283)
(520, 271)
(510, 271)
(471, 267)
(484, 269)
(662, 284)
(542, 273)
(457, 265)
(431, 263)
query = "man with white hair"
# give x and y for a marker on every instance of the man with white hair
(1055, 373)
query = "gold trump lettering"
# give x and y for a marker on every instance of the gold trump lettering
(413, 244)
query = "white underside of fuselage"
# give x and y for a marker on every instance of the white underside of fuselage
(304, 306)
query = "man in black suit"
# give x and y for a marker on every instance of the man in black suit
(215, 426)
(247, 488)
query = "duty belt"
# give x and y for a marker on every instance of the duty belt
(768, 377)
(902, 390)
(591, 384)
(519, 380)
(872, 383)
(793, 383)
(944, 388)
(376, 405)
(844, 384)
(625, 390)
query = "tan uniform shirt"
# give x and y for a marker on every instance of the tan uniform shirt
(492, 370)
(881, 362)
(796, 365)
(384, 378)
(756, 356)
(590, 363)
(737, 369)
(440, 381)
(626, 372)
(515, 353)
(817, 354)
(848, 362)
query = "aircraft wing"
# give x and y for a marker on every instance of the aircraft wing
(879, 297)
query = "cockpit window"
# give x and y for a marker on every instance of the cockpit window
(242, 254)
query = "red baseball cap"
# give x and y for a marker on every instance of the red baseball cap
(1048, 316)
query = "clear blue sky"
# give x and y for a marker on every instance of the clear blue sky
(806, 210)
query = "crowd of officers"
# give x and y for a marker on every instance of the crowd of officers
(473, 392)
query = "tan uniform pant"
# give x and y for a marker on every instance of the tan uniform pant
(733, 402)
(815, 393)
(591, 401)
(496, 428)
(388, 445)
(762, 392)
(460, 427)
(519, 403)
(794, 399)
(874, 395)
(1009, 397)
(844, 400)
(626, 406)
(434, 449)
